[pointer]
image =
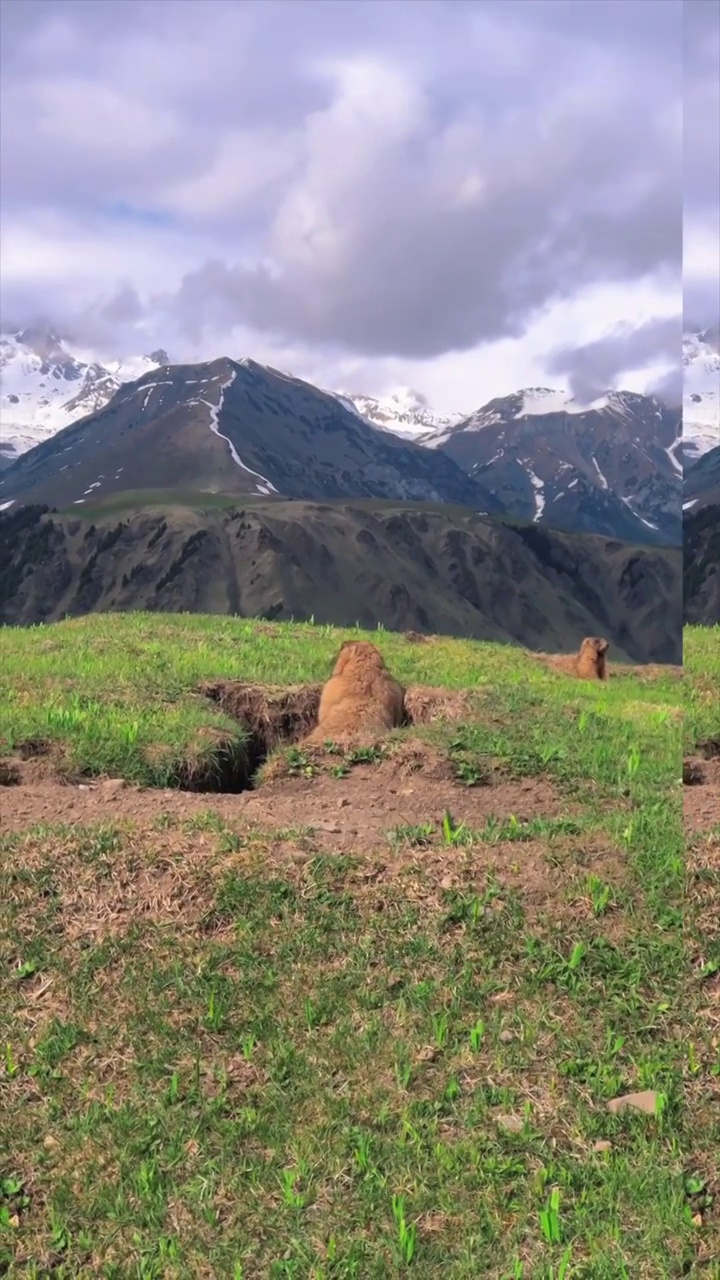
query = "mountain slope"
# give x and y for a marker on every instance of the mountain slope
(610, 468)
(701, 487)
(401, 565)
(236, 428)
(701, 566)
(701, 393)
(44, 387)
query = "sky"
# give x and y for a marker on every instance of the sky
(701, 164)
(461, 196)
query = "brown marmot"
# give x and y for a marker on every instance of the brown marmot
(589, 663)
(361, 696)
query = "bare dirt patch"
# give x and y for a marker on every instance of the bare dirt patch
(701, 793)
(355, 812)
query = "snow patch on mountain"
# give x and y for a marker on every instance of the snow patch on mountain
(701, 393)
(262, 485)
(45, 387)
(402, 411)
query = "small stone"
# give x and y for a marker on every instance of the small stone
(511, 1124)
(49, 1142)
(111, 786)
(646, 1102)
(343, 802)
(697, 1220)
(430, 1053)
(506, 1036)
(602, 1145)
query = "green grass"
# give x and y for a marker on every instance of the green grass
(232, 1052)
(146, 499)
(701, 659)
(118, 692)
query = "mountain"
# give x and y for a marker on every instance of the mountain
(403, 411)
(403, 565)
(701, 486)
(701, 393)
(701, 566)
(235, 428)
(44, 387)
(611, 467)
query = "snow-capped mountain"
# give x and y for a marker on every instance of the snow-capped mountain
(612, 466)
(237, 428)
(701, 393)
(44, 386)
(403, 411)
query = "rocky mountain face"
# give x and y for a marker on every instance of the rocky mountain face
(701, 566)
(403, 565)
(44, 387)
(701, 486)
(611, 467)
(236, 428)
(701, 393)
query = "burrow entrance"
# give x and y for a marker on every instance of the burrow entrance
(220, 762)
(276, 716)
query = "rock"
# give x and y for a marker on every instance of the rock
(343, 802)
(511, 1124)
(645, 1102)
(602, 1145)
(506, 1036)
(111, 786)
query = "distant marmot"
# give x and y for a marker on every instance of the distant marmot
(589, 663)
(360, 696)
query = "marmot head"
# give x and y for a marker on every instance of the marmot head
(358, 653)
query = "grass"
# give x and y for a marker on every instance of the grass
(117, 693)
(230, 1051)
(131, 500)
(701, 659)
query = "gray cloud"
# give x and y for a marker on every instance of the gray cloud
(395, 180)
(701, 163)
(598, 366)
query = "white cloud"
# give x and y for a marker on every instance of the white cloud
(436, 194)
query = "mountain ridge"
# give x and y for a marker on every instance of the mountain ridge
(611, 467)
(432, 569)
(235, 427)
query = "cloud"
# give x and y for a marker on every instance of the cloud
(701, 164)
(356, 184)
(598, 366)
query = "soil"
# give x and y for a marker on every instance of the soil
(356, 811)
(701, 793)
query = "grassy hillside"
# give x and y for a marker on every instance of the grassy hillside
(370, 1023)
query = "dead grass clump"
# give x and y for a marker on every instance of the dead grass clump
(271, 714)
(650, 671)
(427, 705)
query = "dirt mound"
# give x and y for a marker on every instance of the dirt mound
(701, 798)
(426, 705)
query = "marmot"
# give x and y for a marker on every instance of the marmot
(360, 696)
